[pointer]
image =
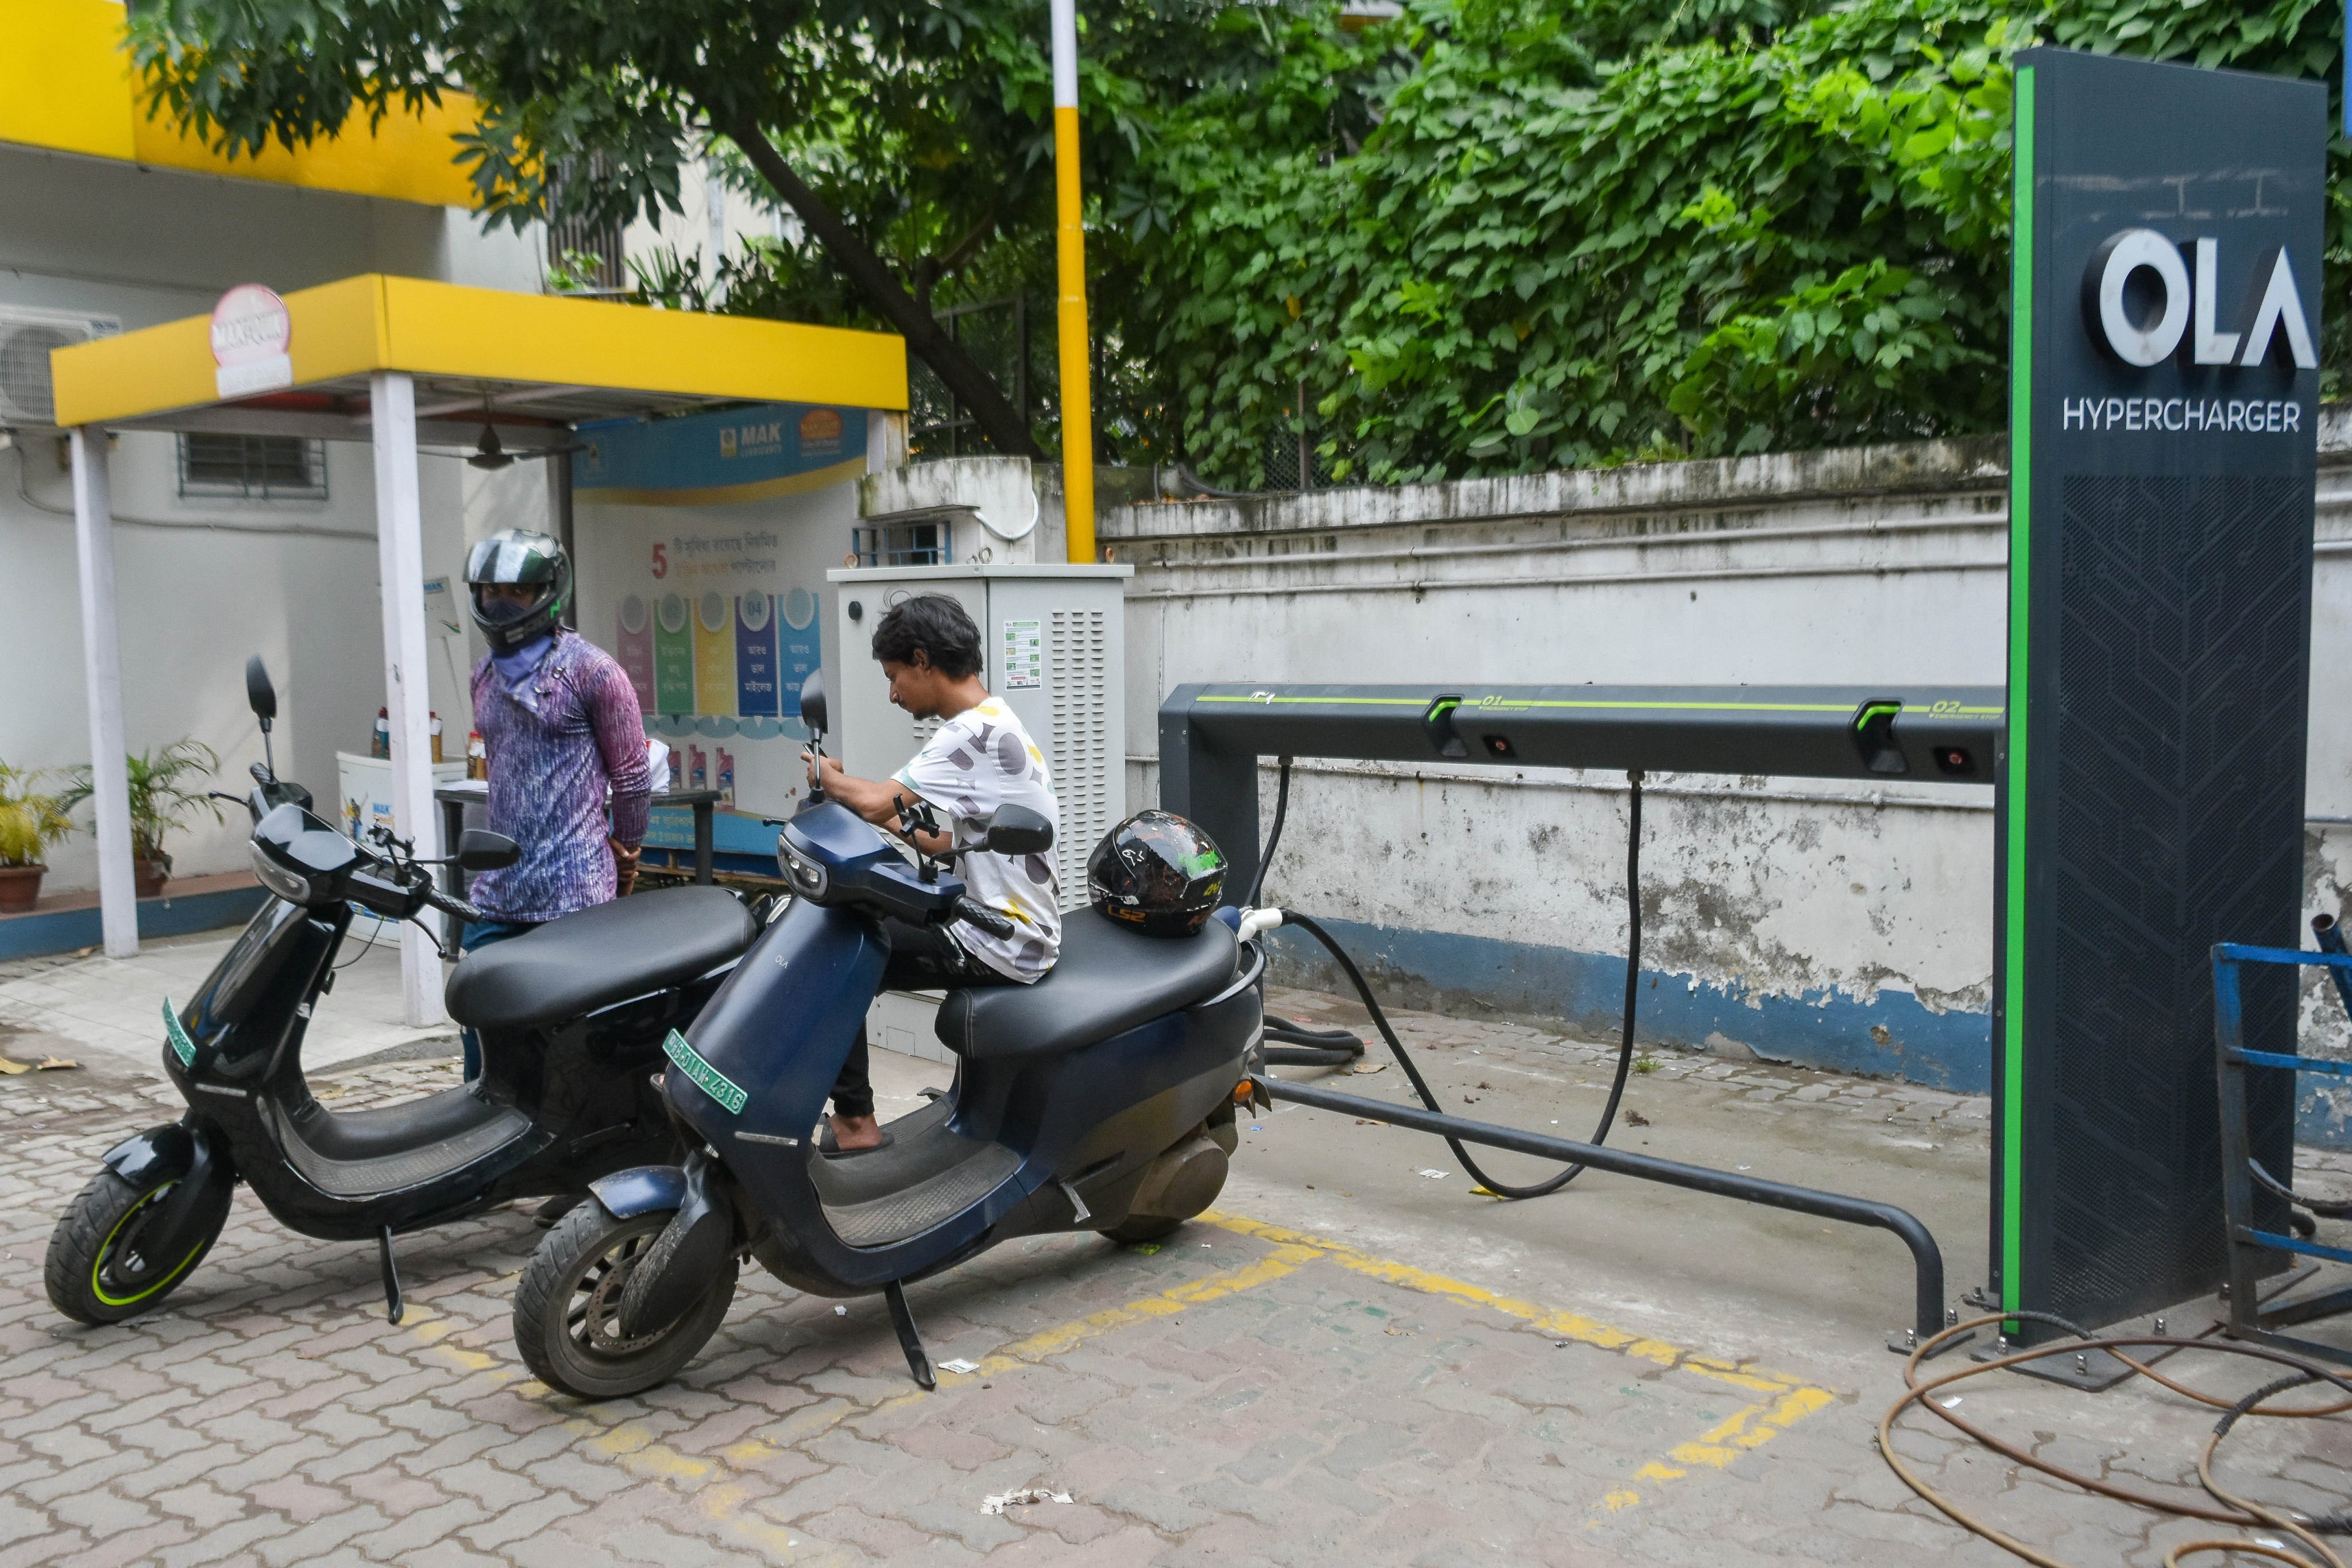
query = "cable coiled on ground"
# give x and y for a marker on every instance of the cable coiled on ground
(2235, 1510)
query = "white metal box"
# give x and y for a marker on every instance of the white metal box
(363, 789)
(1055, 638)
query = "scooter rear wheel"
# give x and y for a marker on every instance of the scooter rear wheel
(97, 1271)
(567, 1309)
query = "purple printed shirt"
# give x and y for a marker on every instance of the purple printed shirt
(571, 733)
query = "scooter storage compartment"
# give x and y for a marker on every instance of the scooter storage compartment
(1106, 981)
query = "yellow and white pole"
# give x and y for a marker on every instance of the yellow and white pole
(1070, 251)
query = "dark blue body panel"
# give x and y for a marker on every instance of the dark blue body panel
(641, 1189)
(780, 1029)
(1028, 1141)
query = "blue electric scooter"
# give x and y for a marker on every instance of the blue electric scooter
(1101, 1098)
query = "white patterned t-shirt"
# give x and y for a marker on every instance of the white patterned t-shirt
(980, 759)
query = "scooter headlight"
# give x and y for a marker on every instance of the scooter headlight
(808, 878)
(291, 886)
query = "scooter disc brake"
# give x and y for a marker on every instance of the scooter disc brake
(594, 1324)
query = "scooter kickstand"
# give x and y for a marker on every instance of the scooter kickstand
(918, 1361)
(394, 1309)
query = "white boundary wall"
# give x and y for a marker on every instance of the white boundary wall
(1799, 911)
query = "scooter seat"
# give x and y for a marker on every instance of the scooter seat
(1108, 980)
(600, 956)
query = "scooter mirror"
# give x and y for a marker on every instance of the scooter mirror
(480, 849)
(812, 702)
(1017, 830)
(259, 695)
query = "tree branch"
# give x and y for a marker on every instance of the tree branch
(926, 339)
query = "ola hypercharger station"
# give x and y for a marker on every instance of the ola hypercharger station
(1212, 736)
(2148, 751)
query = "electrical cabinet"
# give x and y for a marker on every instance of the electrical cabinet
(1055, 637)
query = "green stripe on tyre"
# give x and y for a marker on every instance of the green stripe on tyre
(106, 1251)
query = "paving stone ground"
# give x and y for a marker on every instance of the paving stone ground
(1352, 1363)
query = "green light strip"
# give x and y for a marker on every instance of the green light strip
(1512, 704)
(2020, 486)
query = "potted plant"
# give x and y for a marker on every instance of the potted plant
(30, 821)
(159, 804)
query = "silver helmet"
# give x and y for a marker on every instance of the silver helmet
(518, 556)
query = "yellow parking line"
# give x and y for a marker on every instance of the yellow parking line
(1749, 1427)
(711, 1480)
(1282, 1260)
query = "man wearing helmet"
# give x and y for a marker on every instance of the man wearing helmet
(979, 760)
(563, 732)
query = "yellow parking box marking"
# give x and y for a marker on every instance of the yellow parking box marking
(1282, 1260)
(1749, 1428)
(711, 1480)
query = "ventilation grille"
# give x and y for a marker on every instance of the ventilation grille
(28, 396)
(1077, 679)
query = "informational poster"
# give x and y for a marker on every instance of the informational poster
(704, 541)
(1024, 654)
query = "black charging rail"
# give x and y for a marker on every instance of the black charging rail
(1212, 737)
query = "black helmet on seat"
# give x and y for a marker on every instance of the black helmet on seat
(1156, 873)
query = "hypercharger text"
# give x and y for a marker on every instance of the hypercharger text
(2249, 415)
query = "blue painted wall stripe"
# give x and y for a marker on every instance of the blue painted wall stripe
(1894, 1037)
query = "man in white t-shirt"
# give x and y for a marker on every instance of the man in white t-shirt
(980, 758)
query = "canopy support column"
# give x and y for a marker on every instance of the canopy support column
(400, 560)
(101, 652)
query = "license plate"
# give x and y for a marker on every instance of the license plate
(708, 1078)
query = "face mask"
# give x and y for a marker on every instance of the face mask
(502, 612)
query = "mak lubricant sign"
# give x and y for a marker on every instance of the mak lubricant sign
(2165, 351)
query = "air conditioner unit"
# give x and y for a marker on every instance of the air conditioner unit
(27, 336)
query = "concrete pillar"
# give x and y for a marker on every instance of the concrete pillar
(101, 653)
(400, 564)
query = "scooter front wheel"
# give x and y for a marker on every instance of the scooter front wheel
(567, 1309)
(105, 1266)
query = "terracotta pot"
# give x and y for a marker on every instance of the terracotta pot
(20, 886)
(147, 876)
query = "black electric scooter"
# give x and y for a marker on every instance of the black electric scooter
(1101, 1098)
(571, 1017)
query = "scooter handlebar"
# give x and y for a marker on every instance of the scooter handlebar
(449, 905)
(973, 912)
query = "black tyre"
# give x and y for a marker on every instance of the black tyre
(98, 1271)
(567, 1307)
(1142, 1228)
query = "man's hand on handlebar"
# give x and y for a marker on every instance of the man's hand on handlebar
(879, 804)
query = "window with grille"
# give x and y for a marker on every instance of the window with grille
(592, 250)
(256, 467)
(911, 543)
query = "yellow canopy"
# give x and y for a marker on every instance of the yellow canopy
(533, 362)
(68, 84)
